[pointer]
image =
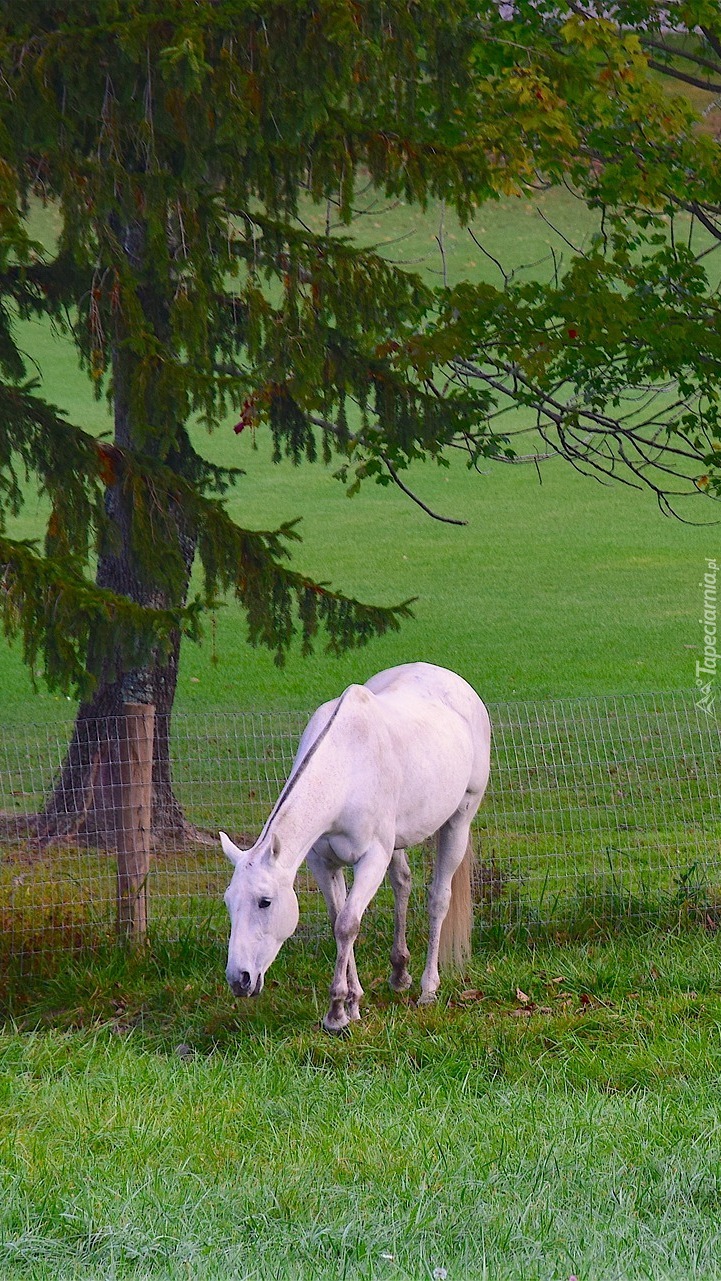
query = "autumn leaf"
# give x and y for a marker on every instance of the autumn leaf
(109, 457)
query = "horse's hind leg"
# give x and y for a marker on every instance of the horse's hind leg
(399, 875)
(452, 843)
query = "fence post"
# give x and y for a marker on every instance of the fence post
(132, 804)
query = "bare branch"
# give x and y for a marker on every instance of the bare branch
(440, 241)
(696, 81)
(694, 208)
(689, 55)
(524, 458)
(507, 278)
(446, 520)
(713, 40)
(560, 234)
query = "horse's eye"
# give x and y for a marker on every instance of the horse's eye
(263, 902)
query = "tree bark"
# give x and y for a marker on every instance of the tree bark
(80, 806)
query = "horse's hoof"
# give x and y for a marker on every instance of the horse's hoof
(336, 1027)
(353, 1012)
(400, 983)
(427, 998)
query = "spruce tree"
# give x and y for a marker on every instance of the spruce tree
(179, 139)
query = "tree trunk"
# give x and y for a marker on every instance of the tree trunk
(81, 804)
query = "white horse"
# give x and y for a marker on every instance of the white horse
(380, 768)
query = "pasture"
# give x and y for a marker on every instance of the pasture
(556, 1114)
(557, 1117)
(565, 587)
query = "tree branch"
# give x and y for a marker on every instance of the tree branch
(446, 520)
(327, 425)
(688, 55)
(713, 40)
(707, 85)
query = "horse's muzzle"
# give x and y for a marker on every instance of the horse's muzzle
(243, 985)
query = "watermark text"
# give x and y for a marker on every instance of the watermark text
(706, 669)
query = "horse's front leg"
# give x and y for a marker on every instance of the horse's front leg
(345, 990)
(331, 882)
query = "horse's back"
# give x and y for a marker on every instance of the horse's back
(403, 693)
(425, 678)
(440, 735)
(409, 748)
(405, 689)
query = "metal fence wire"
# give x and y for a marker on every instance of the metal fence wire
(596, 808)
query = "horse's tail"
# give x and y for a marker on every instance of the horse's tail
(455, 943)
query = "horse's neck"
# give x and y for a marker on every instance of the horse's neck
(308, 804)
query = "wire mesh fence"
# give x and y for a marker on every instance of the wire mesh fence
(596, 808)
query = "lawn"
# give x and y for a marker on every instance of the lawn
(564, 587)
(557, 1115)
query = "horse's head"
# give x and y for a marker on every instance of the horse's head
(263, 913)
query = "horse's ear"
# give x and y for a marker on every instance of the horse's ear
(275, 846)
(230, 850)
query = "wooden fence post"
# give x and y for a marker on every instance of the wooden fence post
(132, 805)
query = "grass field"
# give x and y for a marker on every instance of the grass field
(556, 1114)
(568, 587)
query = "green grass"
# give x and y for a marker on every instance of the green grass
(564, 587)
(573, 1129)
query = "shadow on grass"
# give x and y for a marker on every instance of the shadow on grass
(169, 992)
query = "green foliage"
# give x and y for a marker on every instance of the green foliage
(69, 626)
(176, 145)
(183, 147)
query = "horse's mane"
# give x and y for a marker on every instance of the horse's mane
(291, 782)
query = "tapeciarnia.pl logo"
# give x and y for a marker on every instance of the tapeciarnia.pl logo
(706, 670)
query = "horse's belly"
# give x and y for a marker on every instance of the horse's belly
(412, 829)
(433, 789)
